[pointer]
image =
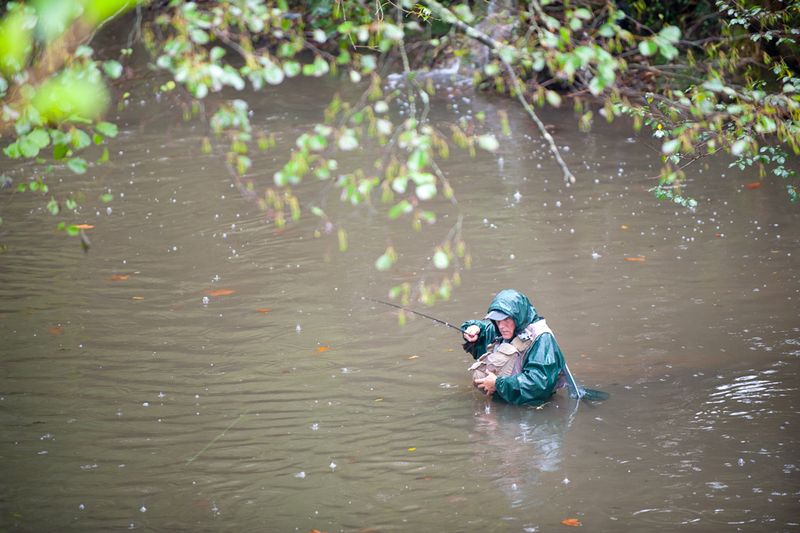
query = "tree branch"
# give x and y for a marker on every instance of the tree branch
(496, 46)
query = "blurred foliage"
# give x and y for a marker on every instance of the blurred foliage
(702, 77)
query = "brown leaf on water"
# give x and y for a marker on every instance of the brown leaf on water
(84, 226)
(321, 349)
(424, 478)
(636, 259)
(137, 297)
(120, 277)
(623, 226)
(264, 310)
(754, 185)
(573, 522)
(55, 330)
(220, 292)
(201, 503)
(317, 531)
(413, 357)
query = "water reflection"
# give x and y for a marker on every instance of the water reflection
(515, 447)
(745, 396)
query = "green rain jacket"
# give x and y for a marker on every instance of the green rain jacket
(542, 364)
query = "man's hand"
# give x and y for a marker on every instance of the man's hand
(487, 384)
(471, 333)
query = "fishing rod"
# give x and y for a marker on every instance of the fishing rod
(577, 391)
(448, 324)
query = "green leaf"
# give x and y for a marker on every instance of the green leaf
(16, 39)
(426, 191)
(39, 137)
(108, 129)
(80, 139)
(12, 150)
(291, 68)
(553, 98)
(463, 12)
(671, 146)
(440, 259)
(78, 165)
(488, 142)
(113, 69)
(73, 230)
(216, 53)
(418, 159)
(648, 48)
(27, 147)
(606, 30)
(60, 151)
(667, 50)
(385, 261)
(273, 74)
(348, 140)
(400, 208)
(106, 198)
(199, 36)
(52, 206)
(671, 33)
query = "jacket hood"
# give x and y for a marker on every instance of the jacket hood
(517, 306)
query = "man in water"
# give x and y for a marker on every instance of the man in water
(514, 331)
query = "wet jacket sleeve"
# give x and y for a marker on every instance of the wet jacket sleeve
(485, 337)
(539, 375)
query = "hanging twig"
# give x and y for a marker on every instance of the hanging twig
(496, 47)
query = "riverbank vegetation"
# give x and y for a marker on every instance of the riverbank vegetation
(703, 78)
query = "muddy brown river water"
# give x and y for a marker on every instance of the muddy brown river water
(286, 402)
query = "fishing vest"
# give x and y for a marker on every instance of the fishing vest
(505, 358)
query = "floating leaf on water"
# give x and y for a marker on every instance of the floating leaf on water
(55, 330)
(753, 185)
(378, 400)
(84, 226)
(119, 277)
(322, 349)
(413, 357)
(573, 522)
(412, 449)
(220, 292)
(623, 226)
(636, 259)
(264, 310)
(137, 297)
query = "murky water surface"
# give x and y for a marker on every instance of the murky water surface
(286, 402)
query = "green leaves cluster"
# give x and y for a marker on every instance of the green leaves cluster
(53, 91)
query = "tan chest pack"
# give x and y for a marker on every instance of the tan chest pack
(505, 358)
